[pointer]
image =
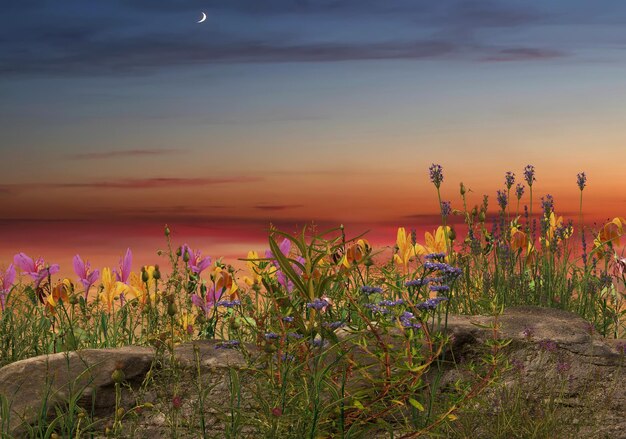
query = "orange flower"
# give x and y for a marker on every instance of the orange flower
(519, 240)
(356, 253)
(60, 292)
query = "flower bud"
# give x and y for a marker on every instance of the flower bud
(452, 234)
(172, 309)
(179, 252)
(462, 189)
(118, 376)
(144, 275)
(167, 231)
(186, 256)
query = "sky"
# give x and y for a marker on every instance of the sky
(119, 117)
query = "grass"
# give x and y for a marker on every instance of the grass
(343, 336)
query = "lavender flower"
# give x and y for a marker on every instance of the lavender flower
(288, 319)
(230, 344)
(318, 304)
(502, 199)
(548, 345)
(417, 282)
(581, 180)
(446, 209)
(431, 304)
(435, 256)
(509, 179)
(436, 175)
(407, 320)
(529, 174)
(547, 204)
(366, 289)
(271, 336)
(229, 303)
(440, 288)
(391, 302)
(333, 325)
(294, 335)
(519, 190)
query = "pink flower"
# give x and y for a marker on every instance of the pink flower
(207, 303)
(197, 264)
(6, 284)
(620, 266)
(125, 267)
(38, 270)
(86, 277)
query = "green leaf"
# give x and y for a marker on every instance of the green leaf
(416, 404)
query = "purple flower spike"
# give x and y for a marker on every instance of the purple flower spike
(529, 174)
(581, 180)
(436, 175)
(509, 180)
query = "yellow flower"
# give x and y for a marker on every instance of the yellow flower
(406, 249)
(434, 243)
(355, 253)
(61, 291)
(136, 289)
(186, 321)
(518, 239)
(255, 270)
(224, 283)
(554, 224)
(111, 288)
(612, 232)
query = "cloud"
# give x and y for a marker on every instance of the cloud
(122, 153)
(523, 54)
(276, 207)
(132, 183)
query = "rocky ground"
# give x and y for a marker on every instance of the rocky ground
(557, 363)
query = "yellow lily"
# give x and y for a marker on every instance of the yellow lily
(555, 223)
(355, 253)
(406, 249)
(612, 232)
(434, 242)
(111, 288)
(519, 239)
(136, 289)
(61, 291)
(224, 283)
(255, 270)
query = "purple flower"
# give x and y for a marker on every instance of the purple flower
(333, 325)
(581, 180)
(207, 303)
(417, 282)
(229, 303)
(196, 263)
(529, 174)
(284, 247)
(548, 345)
(562, 367)
(284, 281)
(509, 179)
(6, 284)
(391, 302)
(271, 336)
(446, 208)
(38, 270)
(125, 267)
(85, 276)
(547, 204)
(502, 199)
(366, 289)
(288, 319)
(435, 256)
(431, 304)
(318, 304)
(408, 321)
(294, 335)
(436, 175)
(230, 344)
(519, 190)
(439, 288)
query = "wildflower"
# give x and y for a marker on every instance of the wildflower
(581, 180)
(435, 256)
(60, 292)
(84, 273)
(254, 268)
(229, 344)
(391, 302)
(125, 267)
(406, 249)
(431, 304)
(502, 199)
(434, 243)
(509, 180)
(37, 269)
(288, 319)
(276, 411)
(294, 335)
(186, 322)
(519, 191)
(436, 175)
(439, 288)
(519, 241)
(619, 266)
(7, 279)
(548, 345)
(206, 303)
(229, 303)
(224, 282)
(318, 304)
(529, 175)
(355, 254)
(611, 232)
(177, 402)
(196, 263)
(408, 321)
(366, 289)
(446, 209)
(333, 325)
(136, 288)
(556, 230)
(419, 282)
(547, 205)
(271, 336)
(111, 288)
(562, 367)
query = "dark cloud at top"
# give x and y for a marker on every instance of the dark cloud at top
(118, 37)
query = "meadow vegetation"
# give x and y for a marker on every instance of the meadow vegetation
(351, 338)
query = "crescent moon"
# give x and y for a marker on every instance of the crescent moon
(203, 18)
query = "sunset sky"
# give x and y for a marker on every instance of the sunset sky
(117, 117)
